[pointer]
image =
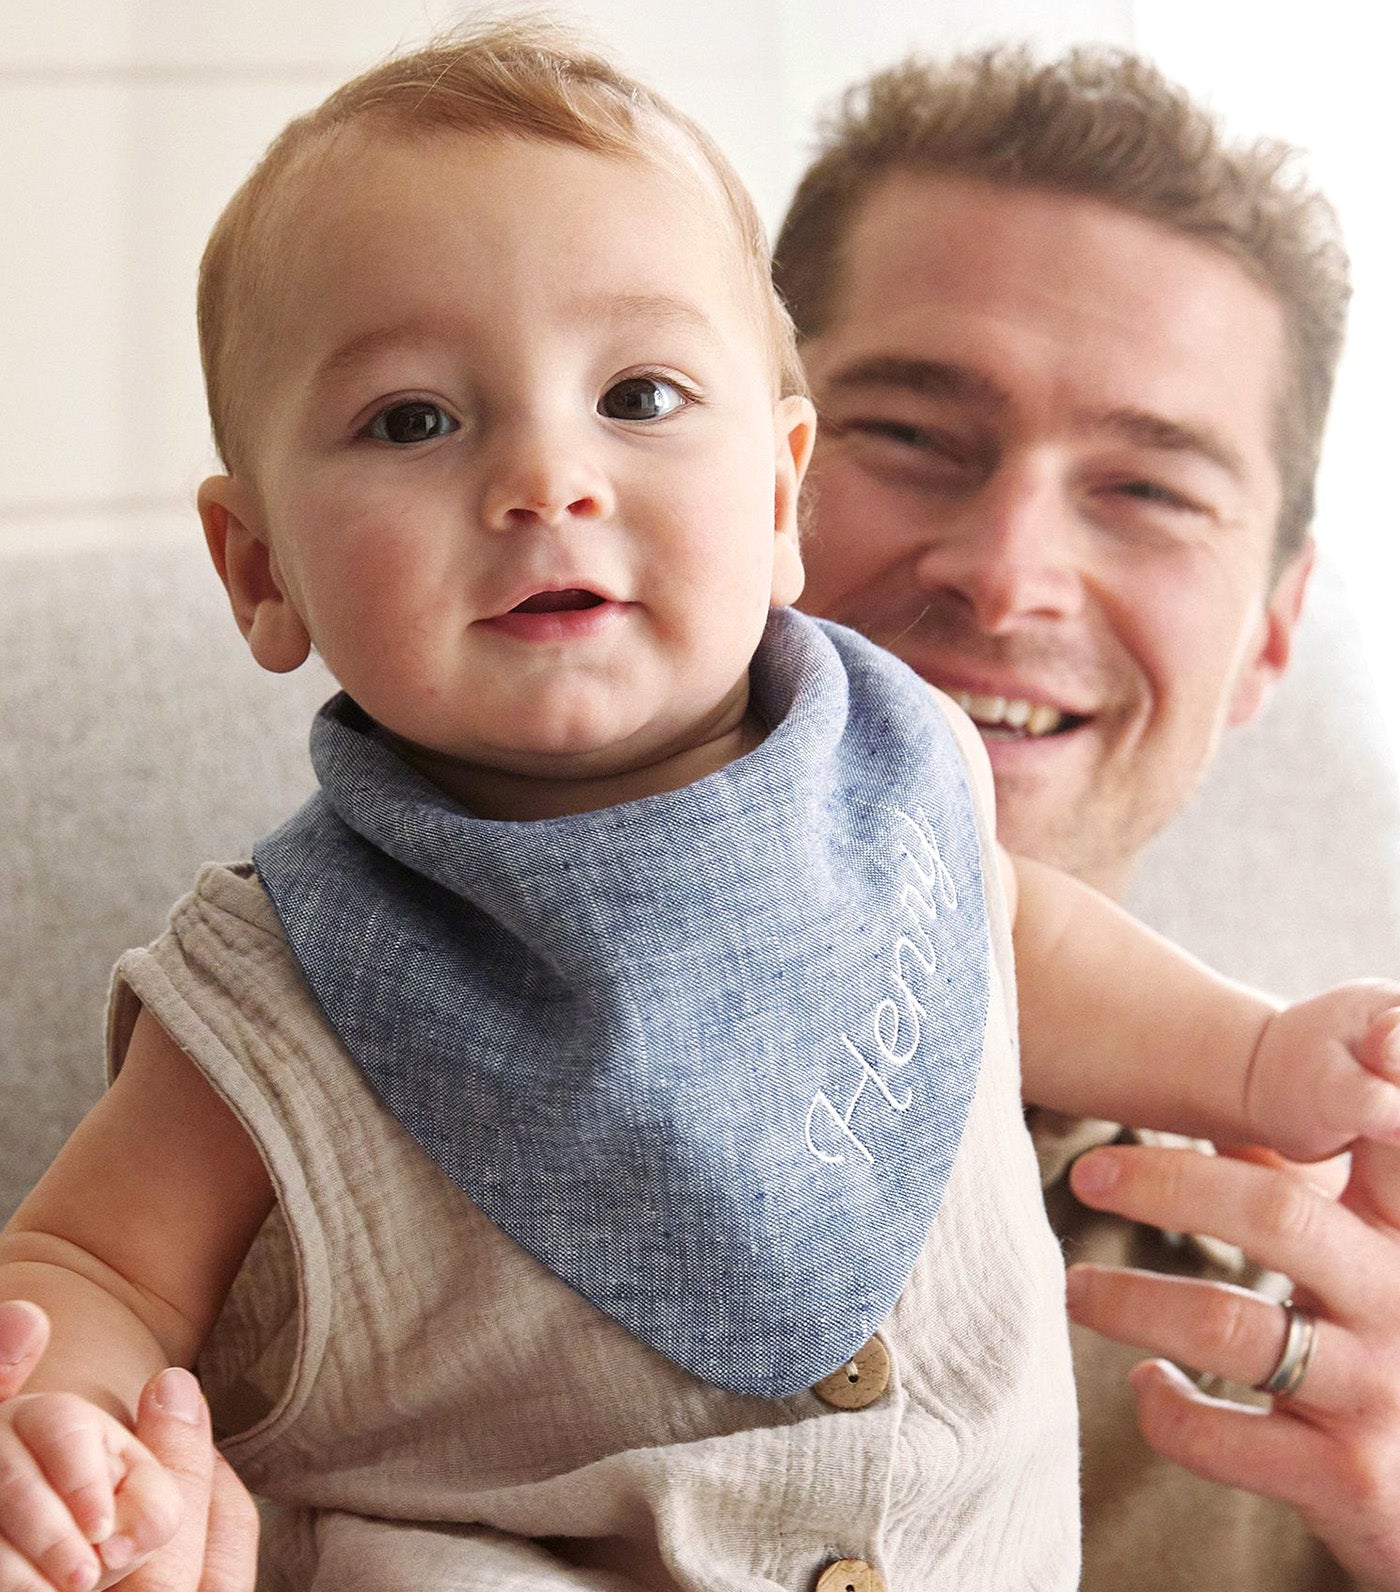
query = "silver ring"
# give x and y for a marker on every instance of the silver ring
(1299, 1341)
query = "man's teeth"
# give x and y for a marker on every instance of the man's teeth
(1009, 713)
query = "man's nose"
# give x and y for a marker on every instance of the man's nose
(536, 472)
(1011, 551)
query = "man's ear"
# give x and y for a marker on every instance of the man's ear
(247, 565)
(1272, 644)
(795, 430)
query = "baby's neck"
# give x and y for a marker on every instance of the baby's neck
(505, 794)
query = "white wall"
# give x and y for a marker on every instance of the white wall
(1327, 87)
(127, 124)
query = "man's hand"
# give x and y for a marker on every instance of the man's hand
(1332, 1449)
(215, 1549)
(24, 1335)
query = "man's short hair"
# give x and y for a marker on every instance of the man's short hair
(521, 77)
(1105, 125)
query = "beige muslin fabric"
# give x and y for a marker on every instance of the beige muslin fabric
(427, 1407)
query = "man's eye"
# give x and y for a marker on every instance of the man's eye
(641, 398)
(904, 453)
(931, 441)
(891, 431)
(1153, 492)
(412, 421)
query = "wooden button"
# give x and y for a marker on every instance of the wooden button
(859, 1382)
(851, 1575)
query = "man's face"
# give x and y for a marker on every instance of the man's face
(1044, 478)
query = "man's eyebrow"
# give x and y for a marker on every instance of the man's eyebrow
(926, 378)
(936, 378)
(1148, 430)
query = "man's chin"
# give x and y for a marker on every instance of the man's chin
(1052, 806)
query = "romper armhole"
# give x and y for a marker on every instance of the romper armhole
(180, 984)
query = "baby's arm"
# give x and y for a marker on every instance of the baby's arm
(130, 1243)
(1118, 1023)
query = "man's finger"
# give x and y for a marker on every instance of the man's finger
(1266, 1452)
(24, 1335)
(216, 1549)
(231, 1549)
(1373, 1189)
(1229, 1332)
(1328, 1177)
(172, 1420)
(1275, 1219)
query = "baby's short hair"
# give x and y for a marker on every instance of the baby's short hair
(522, 77)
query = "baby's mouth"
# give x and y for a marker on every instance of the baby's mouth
(557, 602)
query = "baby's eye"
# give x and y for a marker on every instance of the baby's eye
(641, 398)
(414, 420)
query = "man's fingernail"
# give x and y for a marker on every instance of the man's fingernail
(117, 1552)
(177, 1393)
(1094, 1174)
(20, 1325)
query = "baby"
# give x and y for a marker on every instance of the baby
(584, 1147)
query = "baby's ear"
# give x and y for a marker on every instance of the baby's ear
(247, 565)
(794, 431)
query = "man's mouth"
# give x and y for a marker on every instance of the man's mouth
(1015, 717)
(570, 600)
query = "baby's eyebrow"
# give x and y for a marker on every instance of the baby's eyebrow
(399, 334)
(662, 310)
(656, 311)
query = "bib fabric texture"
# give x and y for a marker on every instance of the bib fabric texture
(706, 1055)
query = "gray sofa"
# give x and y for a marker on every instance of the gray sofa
(138, 739)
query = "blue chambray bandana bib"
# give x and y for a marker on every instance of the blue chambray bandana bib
(707, 1055)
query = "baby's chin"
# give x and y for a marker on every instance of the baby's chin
(554, 775)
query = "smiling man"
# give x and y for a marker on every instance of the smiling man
(1072, 356)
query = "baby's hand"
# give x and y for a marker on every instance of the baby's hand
(1327, 1072)
(72, 1476)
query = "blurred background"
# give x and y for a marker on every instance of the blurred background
(128, 123)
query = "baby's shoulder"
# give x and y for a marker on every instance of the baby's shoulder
(232, 894)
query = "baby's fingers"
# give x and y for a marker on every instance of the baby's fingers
(148, 1503)
(47, 1548)
(69, 1441)
(1362, 1105)
(1380, 1049)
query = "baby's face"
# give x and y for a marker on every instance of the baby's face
(519, 461)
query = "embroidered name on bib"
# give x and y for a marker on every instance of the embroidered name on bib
(706, 1055)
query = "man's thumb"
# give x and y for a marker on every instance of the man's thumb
(24, 1335)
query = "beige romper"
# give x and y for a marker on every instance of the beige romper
(429, 1409)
